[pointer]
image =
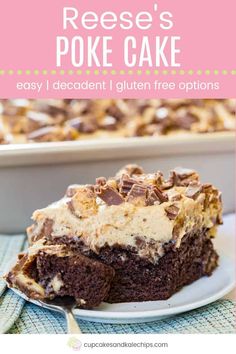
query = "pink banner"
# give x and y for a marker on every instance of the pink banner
(121, 49)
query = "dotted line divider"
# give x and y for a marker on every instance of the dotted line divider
(116, 72)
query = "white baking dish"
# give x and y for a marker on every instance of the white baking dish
(33, 175)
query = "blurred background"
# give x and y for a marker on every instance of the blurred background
(45, 145)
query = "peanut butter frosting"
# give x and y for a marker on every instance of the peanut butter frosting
(24, 121)
(133, 209)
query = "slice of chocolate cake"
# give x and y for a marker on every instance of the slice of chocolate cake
(52, 271)
(133, 237)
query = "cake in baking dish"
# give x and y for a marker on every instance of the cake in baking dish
(133, 237)
(27, 121)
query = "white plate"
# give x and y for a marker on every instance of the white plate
(200, 293)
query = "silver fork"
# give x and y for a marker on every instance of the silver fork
(65, 305)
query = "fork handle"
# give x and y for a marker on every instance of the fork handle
(72, 325)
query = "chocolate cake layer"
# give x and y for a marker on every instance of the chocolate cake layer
(47, 274)
(138, 279)
(87, 280)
